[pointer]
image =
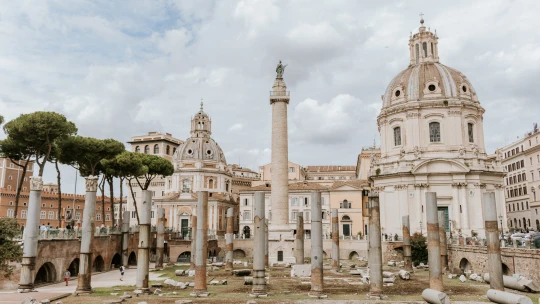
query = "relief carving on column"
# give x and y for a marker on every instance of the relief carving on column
(498, 186)
(91, 183)
(401, 187)
(459, 185)
(421, 185)
(480, 185)
(376, 190)
(36, 183)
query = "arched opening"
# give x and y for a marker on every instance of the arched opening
(537, 225)
(465, 265)
(132, 259)
(146, 149)
(353, 255)
(74, 267)
(46, 274)
(98, 265)
(156, 149)
(346, 225)
(324, 255)
(239, 254)
(116, 261)
(506, 270)
(184, 257)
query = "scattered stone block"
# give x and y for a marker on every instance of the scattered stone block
(236, 262)
(223, 282)
(353, 266)
(218, 264)
(137, 292)
(214, 282)
(388, 284)
(112, 301)
(248, 280)
(301, 270)
(356, 272)
(180, 273)
(215, 268)
(45, 301)
(191, 284)
(391, 263)
(251, 302)
(404, 275)
(157, 291)
(388, 274)
(389, 280)
(191, 273)
(183, 302)
(142, 303)
(114, 293)
(462, 278)
(245, 264)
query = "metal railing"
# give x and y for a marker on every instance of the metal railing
(277, 93)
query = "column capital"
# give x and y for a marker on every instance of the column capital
(36, 183)
(91, 183)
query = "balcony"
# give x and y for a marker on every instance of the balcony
(277, 94)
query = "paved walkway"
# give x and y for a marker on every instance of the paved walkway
(104, 279)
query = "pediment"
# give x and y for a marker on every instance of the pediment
(440, 166)
(345, 188)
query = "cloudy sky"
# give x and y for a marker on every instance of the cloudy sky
(123, 68)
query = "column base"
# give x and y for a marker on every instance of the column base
(376, 296)
(199, 294)
(317, 294)
(25, 289)
(258, 295)
(83, 291)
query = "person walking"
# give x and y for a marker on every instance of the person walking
(67, 275)
(122, 272)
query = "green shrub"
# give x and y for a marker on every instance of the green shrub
(419, 249)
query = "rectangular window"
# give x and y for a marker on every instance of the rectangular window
(434, 132)
(78, 216)
(294, 215)
(23, 214)
(307, 215)
(107, 217)
(98, 217)
(397, 136)
(152, 214)
(133, 214)
(10, 212)
(245, 202)
(291, 169)
(470, 130)
(247, 216)
(153, 193)
(43, 215)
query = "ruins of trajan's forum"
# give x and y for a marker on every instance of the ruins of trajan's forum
(427, 207)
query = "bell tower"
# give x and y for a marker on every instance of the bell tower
(201, 124)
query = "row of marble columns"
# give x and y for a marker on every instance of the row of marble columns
(84, 278)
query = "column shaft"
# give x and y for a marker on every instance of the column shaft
(266, 243)
(259, 282)
(193, 239)
(299, 240)
(31, 235)
(84, 279)
(335, 239)
(317, 283)
(280, 164)
(143, 258)
(493, 246)
(202, 243)
(442, 240)
(160, 238)
(433, 240)
(407, 253)
(229, 241)
(375, 250)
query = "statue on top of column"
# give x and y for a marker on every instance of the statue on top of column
(280, 69)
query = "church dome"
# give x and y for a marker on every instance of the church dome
(200, 147)
(426, 78)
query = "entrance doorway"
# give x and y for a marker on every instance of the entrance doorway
(184, 227)
(446, 218)
(247, 232)
(280, 256)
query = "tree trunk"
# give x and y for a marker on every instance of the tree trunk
(134, 202)
(110, 181)
(19, 186)
(59, 194)
(102, 189)
(120, 210)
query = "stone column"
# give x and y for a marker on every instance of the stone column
(193, 240)
(259, 282)
(31, 235)
(299, 240)
(335, 239)
(125, 238)
(317, 283)
(433, 240)
(407, 253)
(492, 238)
(442, 240)
(160, 238)
(202, 245)
(143, 256)
(229, 241)
(87, 238)
(375, 250)
(266, 243)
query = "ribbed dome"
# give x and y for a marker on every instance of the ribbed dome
(203, 149)
(429, 80)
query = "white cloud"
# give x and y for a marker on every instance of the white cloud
(236, 127)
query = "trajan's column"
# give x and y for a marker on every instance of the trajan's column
(280, 237)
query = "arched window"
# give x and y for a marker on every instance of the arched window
(167, 150)
(137, 149)
(345, 218)
(424, 48)
(156, 149)
(147, 149)
(470, 132)
(211, 183)
(432, 53)
(417, 47)
(434, 132)
(397, 136)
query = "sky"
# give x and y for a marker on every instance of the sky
(124, 68)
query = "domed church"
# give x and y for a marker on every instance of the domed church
(432, 140)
